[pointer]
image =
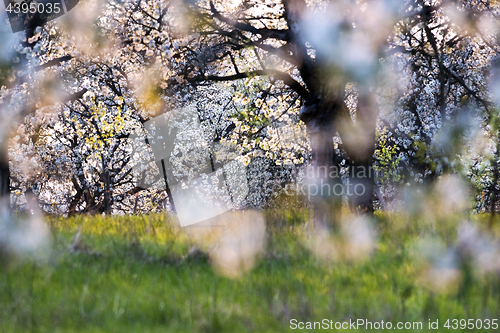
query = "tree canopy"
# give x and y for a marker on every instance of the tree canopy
(384, 95)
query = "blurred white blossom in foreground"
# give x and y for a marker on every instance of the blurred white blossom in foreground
(441, 266)
(448, 198)
(355, 241)
(233, 240)
(483, 251)
(23, 235)
(437, 263)
(452, 194)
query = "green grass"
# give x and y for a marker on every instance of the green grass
(139, 274)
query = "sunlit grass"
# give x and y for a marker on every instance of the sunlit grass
(144, 274)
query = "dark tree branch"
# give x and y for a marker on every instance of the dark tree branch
(279, 75)
(55, 62)
(266, 33)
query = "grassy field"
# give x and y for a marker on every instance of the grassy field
(143, 274)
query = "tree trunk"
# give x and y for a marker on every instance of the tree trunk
(73, 205)
(361, 186)
(4, 175)
(358, 138)
(324, 186)
(107, 200)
